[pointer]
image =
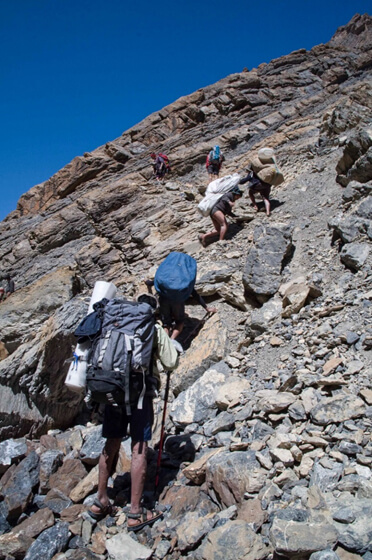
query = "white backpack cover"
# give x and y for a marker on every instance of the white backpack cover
(215, 190)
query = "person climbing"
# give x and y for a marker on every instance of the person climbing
(172, 314)
(174, 281)
(161, 165)
(214, 163)
(218, 214)
(256, 186)
(114, 428)
(9, 288)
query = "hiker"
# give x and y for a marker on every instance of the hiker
(114, 428)
(218, 214)
(257, 186)
(9, 288)
(160, 165)
(214, 163)
(174, 311)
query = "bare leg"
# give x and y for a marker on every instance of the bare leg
(217, 222)
(177, 330)
(220, 223)
(138, 474)
(253, 200)
(267, 205)
(105, 465)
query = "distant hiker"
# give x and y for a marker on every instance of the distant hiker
(256, 186)
(114, 429)
(161, 165)
(9, 288)
(174, 282)
(218, 214)
(214, 163)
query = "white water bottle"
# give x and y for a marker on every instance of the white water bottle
(76, 376)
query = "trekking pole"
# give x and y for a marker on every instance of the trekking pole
(166, 394)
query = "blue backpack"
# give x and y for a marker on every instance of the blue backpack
(176, 276)
(215, 154)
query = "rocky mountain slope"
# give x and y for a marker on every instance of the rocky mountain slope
(269, 448)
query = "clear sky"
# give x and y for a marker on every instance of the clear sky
(75, 74)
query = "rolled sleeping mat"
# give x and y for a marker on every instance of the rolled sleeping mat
(76, 376)
(101, 290)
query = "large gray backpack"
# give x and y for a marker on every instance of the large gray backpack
(119, 363)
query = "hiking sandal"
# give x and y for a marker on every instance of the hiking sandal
(104, 510)
(142, 519)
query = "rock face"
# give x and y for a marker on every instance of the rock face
(268, 447)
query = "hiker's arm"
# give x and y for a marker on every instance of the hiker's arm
(149, 284)
(229, 211)
(201, 302)
(246, 179)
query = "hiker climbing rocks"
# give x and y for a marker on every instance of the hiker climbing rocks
(218, 214)
(256, 186)
(214, 163)
(174, 282)
(114, 429)
(9, 288)
(263, 173)
(161, 165)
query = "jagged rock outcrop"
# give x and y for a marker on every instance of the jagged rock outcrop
(269, 429)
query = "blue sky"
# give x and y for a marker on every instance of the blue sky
(75, 74)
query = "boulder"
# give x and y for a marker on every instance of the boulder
(230, 475)
(272, 245)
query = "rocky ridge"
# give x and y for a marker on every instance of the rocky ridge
(269, 448)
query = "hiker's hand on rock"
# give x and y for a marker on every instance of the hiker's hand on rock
(211, 309)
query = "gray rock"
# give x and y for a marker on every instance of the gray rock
(349, 448)
(344, 515)
(324, 555)
(264, 263)
(353, 535)
(49, 542)
(123, 547)
(57, 501)
(18, 490)
(11, 451)
(49, 462)
(4, 525)
(235, 540)
(93, 445)
(354, 255)
(262, 317)
(337, 409)
(326, 478)
(355, 162)
(295, 532)
(198, 402)
(222, 423)
(230, 475)
(192, 529)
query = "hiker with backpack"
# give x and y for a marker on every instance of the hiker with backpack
(123, 364)
(214, 163)
(256, 186)
(161, 165)
(9, 288)
(174, 282)
(218, 214)
(263, 173)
